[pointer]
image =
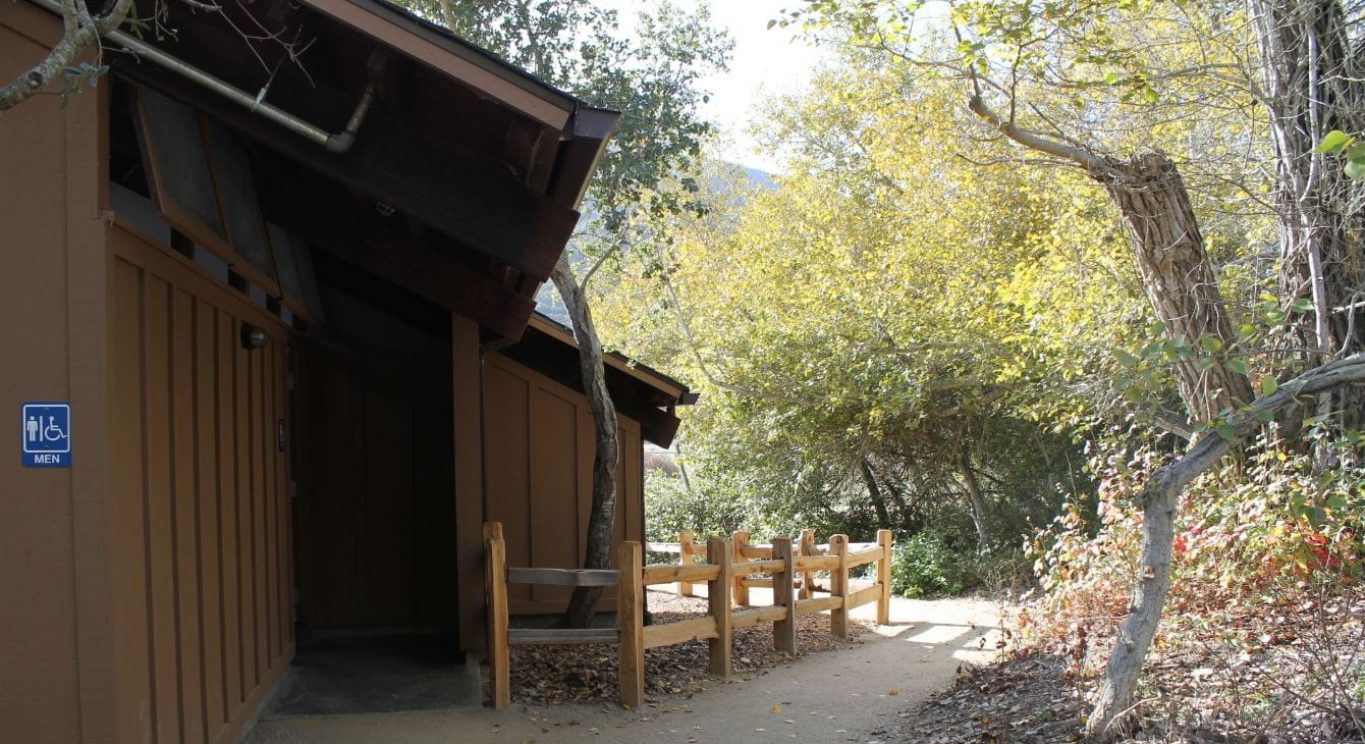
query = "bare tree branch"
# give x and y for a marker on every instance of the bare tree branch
(80, 31)
(1032, 140)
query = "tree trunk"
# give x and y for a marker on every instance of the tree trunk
(875, 493)
(1159, 500)
(1169, 249)
(1311, 78)
(1183, 290)
(975, 500)
(897, 495)
(602, 515)
(1176, 273)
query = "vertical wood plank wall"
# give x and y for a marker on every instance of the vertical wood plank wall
(199, 501)
(539, 446)
(54, 586)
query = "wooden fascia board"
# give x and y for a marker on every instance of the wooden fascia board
(614, 361)
(578, 157)
(659, 427)
(551, 109)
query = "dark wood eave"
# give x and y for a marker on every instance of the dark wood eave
(447, 53)
(519, 214)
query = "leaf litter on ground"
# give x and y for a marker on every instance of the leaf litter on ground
(587, 673)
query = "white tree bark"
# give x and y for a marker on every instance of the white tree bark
(1160, 498)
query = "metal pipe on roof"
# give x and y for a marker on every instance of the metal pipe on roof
(339, 142)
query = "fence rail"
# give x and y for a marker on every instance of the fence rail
(729, 573)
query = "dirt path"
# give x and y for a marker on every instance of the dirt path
(836, 696)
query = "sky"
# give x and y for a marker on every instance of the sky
(766, 63)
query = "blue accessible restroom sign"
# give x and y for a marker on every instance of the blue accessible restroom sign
(45, 429)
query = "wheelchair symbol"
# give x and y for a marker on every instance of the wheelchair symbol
(53, 432)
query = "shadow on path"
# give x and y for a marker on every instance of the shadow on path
(829, 697)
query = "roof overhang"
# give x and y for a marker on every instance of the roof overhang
(438, 49)
(639, 392)
(671, 391)
(466, 173)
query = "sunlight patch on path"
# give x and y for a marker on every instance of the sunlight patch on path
(843, 695)
(937, 635)
(891, 631)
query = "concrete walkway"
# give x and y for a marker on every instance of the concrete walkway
(836, 696)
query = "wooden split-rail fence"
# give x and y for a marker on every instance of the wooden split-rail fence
(729, 569)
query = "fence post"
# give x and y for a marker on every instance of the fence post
(685, 556)
(630, 620)
(807, 548)
(718, 596)
(884, 578)
(495, 579)
(738, 541)
(838, 586)
(784, 630)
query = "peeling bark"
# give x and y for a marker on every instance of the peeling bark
(1183, 290)
(603, 512)
(1169, 249)
(1177, 275)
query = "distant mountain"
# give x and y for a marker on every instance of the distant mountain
(760, 178)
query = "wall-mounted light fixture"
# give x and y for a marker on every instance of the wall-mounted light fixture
(253, 337)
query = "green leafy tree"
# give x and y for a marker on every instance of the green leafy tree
(1055, 78)
(865, 329)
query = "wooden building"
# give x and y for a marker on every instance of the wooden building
(268, 324)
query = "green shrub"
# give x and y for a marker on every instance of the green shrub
(932, 563)
(670, 506)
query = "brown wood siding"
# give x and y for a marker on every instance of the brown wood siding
(539, 445)
(55, 659)
(199, 500)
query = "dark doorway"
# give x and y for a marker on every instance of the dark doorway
(377, 587)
